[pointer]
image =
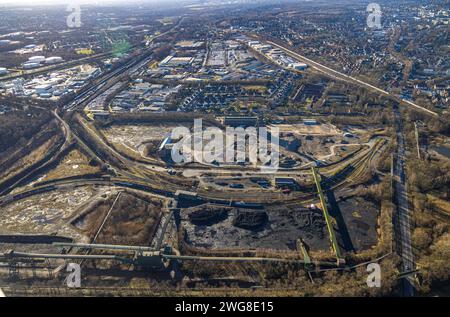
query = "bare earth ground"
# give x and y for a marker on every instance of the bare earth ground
(134, 136)
(73, 164)
(132, 220)
(49, 212)
(360, 218)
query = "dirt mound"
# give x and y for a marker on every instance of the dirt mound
(208, 215)
(309, 220)
(250, 219)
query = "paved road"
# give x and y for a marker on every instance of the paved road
(403, 225)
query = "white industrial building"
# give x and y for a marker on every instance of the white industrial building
(36, 59)
(29, 65)
(172, 61)
(43, 89)
(277, 55)
(53, 60)
(3, 71)
(298, 66)
(87, 73)
(55, 84)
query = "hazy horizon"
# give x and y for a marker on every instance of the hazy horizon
(81, 2)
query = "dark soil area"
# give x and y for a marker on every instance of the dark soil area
(208, 215)
(360, 217)
(274, 228)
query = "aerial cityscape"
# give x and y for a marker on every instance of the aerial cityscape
(194, 148)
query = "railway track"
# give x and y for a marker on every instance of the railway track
(335, 181)
(95, 90)
(343, 77)
(134, 291)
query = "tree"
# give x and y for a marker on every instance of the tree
(435, 268)
(422, 238)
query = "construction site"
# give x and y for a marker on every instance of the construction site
(95, 202)
(140, 223)
(225, 149)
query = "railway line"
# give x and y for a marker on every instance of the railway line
(140, 173)
(140, 176)
(359, 161)
(140, 291)
(352, 171)
(341, 76)
(142, 257)
(52, 156)
(132, 65)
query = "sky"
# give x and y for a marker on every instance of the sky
(50, 2)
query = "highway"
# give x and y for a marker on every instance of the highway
(341, 76)
(403, 220)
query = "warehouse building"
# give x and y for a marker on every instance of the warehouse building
(30, 65)
(53, 60)
(36, 59)
(172, 61)
(310, 122)
(285, 182)
(240, 121)
(298, 66)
